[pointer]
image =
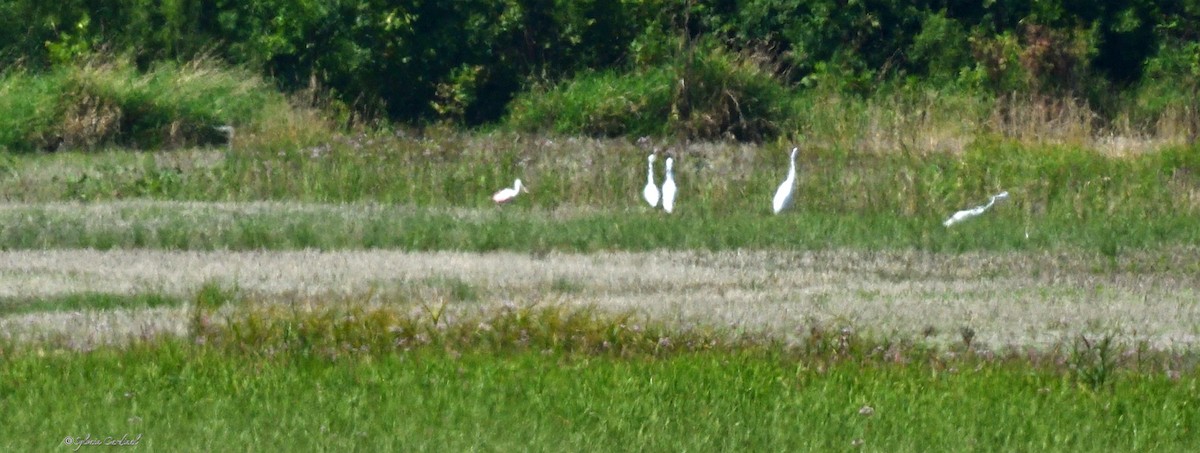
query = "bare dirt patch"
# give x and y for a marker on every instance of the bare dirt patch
(1022, 299)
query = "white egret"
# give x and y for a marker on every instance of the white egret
(783, 195)
(968, 213)
(650, 193)
(506, 194)
(668, 188)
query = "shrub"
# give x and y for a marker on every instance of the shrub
(104, 101)
(720, 95)
(599, 104)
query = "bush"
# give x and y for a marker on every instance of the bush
(30, 108)
(599, 104)
(107, 101)
(1167, 99)
(720, 95)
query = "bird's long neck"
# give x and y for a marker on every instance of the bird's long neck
(650, 172)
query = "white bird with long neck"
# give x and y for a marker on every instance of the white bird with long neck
(968, 213)
(506, 194)
(783, 195)
(650, 193)
(668, 188)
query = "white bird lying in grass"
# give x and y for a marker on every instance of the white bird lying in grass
(506, 194)
(668, 188)
(968, 213)
(650, 193)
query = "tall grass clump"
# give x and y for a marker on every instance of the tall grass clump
(607, 103)
(102, 101)
(333, 329)
(710, 94)
(30, 106)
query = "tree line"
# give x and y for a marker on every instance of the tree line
(465, 60)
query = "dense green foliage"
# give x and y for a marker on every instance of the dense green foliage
(95, 104)
(728, 97)
(466, 60)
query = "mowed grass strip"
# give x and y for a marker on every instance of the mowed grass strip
(178, 396)
(1002, 298)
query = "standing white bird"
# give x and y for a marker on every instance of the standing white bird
(668, 190)
(783, 195)
(968, 213)
(506, 194)
(650, 193)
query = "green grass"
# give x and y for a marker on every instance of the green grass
(282, 226)
(353, 374)
(104, 101)
(433, 193)
(629, 104)
(708, 401)
(714, 94)
(451, 169)
(85, 301)
(725, 95)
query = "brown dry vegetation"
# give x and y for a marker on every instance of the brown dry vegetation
(1006, 299)
(934, 123)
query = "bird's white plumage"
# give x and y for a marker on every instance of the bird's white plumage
(972, 212)
(650, 193)
(783, 195)
(508, 193)
(668, 188)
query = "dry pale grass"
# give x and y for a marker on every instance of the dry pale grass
(43, 178)
(1018, 299)
(152, 214)
(931, 123)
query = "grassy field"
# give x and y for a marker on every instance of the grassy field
(179, 398)
(362, 292)
(550, 379)
(431, 192)
(829, 350)
(290, 226)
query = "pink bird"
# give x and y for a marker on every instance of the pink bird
(506, 194)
